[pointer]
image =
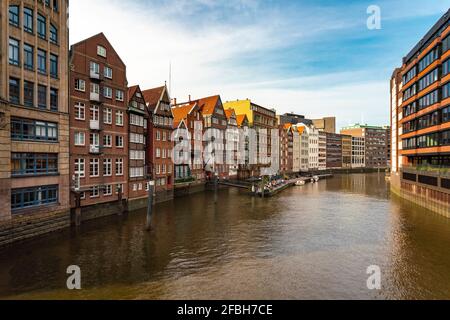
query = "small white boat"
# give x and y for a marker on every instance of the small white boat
(300, 183)
(316, 179)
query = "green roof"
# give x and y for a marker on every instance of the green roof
(364, 126)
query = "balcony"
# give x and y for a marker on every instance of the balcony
(94, 125)
(427, 169)
(94, 75)
(95, 97)
(93, 149)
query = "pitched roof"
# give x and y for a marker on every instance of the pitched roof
(132, 91)
(300, 129)
(152, 96)
(240, 119)
(229, 113)
(181, 112)
(98, 35)
(207, 105)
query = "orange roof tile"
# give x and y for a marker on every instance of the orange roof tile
(229, 113)
(207, 105)
(240, 119)
(180, 113)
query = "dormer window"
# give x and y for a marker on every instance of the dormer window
(101, 51)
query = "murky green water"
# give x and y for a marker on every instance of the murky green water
(312, 242)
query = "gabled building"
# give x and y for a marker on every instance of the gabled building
(232, 143)
(263, 120)
(304, 148)
(246, 170)
(189, 117)
(139, 125)
(161, 148)
(213, 113)
(313, 145)
(98, 122)
(296, 150)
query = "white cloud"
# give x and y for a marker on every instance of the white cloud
(148, 38)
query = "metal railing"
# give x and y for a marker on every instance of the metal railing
(436, 170)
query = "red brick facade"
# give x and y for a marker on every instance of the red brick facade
(98, 121)
(158, 103)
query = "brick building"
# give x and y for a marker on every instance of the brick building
(334, 151)
(98, 122)
(286, 148)
(212, 110)
(161, 148)
(377, 140)
(189, 114)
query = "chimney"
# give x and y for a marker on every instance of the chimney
(174, 101)
(189, 98)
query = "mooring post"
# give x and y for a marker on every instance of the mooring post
(263, 189)
(77, 209)
(151, 184)
(119, 196)
(216, 184)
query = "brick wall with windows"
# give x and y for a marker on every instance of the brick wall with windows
(98, 117)
(33, 80)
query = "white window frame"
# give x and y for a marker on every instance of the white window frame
(77, 139)
(119, 118)
(108, 72)
(97, 193)
(108, 191)
(119, 95)
(109, 138)
(107, 164)
(119, 165)
(101, 51)
(78, 87)
(107, 115)
(94, 67)
(107, 92)
(121, 144)
(80, 168)
(94, 163)
(78, 108)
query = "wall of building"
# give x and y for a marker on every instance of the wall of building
(20, 223)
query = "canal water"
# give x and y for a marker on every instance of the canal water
(311, 242)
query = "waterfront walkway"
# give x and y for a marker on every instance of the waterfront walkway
(276, 189)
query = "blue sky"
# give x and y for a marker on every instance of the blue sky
(316, 58)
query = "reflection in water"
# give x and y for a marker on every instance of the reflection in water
(309, 242)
